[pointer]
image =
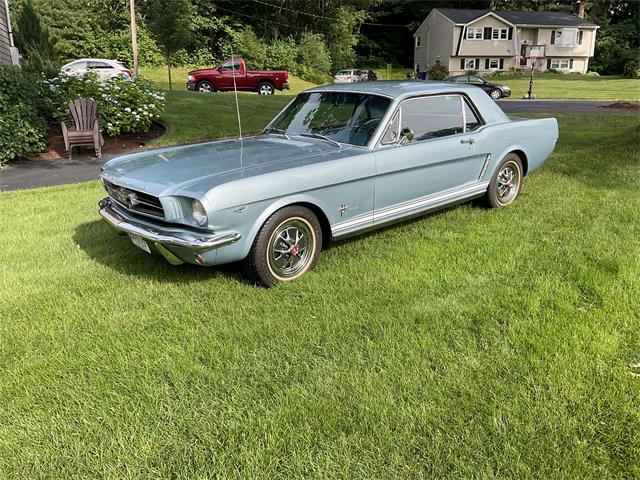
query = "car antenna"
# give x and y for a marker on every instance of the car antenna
(235, 92)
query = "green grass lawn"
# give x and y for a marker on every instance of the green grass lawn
(192, 116)
(472, 343)
(573, 86)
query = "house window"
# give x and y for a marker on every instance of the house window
(560, 63)
(500, 33)
(474, 34)
(494, 63)
(470, 63)
(565, 38)
(418, 41)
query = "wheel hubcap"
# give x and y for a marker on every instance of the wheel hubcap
(265, 90)
(495, 94)
(205, 87)
(508, 183)
(291, 248)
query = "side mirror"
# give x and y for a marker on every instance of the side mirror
(406, 134)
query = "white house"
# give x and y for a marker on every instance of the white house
(485, 40)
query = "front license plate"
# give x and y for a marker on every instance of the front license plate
(140, 242)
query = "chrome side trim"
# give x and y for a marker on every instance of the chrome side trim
(426, 202)
(157, 236)
(407, 210)
(484, 167)
(348, 225)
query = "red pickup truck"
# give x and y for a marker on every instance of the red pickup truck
(220, 79)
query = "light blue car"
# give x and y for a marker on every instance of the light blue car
(337, 161)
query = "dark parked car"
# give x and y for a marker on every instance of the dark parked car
(367, 75)
(495, 90)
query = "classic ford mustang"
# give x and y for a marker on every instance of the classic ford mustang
(338, 160)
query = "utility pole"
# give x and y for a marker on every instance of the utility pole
(134, 36)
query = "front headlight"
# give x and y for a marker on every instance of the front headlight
(190, 78)
(199, 213)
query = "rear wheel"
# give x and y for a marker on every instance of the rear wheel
(495, 94)
(287, 246)
(266, 88)
(205, 86)
(506, 183)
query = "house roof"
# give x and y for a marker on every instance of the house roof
(550, 19)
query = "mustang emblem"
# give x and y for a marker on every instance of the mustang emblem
(129, 199)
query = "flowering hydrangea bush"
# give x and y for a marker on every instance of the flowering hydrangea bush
(125, 105)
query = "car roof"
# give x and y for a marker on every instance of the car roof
(94, 60)
(395, 88)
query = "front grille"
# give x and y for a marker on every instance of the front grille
(135, 201)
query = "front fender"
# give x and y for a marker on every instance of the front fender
(273, 207)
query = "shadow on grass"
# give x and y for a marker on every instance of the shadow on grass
(117, 252)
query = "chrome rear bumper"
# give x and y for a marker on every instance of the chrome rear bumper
(160, 238)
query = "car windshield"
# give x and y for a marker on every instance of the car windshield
(343, 117)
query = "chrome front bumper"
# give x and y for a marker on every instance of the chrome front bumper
(160, 239)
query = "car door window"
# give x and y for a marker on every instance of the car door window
(229, 66)
(392, 133)
(98, 65)
(462, 79)
(432, 117)
(475, 80)
(472, 122)
(77, 66)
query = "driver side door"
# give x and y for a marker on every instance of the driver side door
(438, 164)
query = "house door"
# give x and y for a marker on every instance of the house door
(523, 54)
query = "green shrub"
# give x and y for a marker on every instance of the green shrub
(632, 68)
(592, 74)
(438, 72)
(24, 111)
(125, 105)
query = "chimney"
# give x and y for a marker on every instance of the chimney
(580, 9)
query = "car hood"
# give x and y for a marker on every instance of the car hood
(202, 70)
(193, 170)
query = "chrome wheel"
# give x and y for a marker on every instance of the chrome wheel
(291, 248)
(496, 94)
(265, 89)
(205, 87)
(508, 182)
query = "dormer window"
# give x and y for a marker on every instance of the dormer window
(474, 33)
(500, 34)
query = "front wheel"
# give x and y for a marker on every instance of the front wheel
(266, 88)
(506, 183)
(495, 94)
(205, 86)
(287, 246)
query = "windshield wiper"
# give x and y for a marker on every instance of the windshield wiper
(321, 137)
(276, 130)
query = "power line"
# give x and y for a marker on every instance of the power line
(372, 24)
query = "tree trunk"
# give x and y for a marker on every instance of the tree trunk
(169, 70)
(134, 36)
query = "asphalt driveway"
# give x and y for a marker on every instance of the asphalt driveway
(44, 173)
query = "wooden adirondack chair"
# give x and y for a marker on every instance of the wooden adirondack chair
(85, 127)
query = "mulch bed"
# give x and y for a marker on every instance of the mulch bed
(623, 105)
(112, 145)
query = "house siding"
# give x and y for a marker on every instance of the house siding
(436, 34)
(445, 40)
(484, 47)
(5, 39)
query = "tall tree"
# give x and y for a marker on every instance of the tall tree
(34, 42)
(168, 21)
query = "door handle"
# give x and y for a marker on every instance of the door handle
(470, 141)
